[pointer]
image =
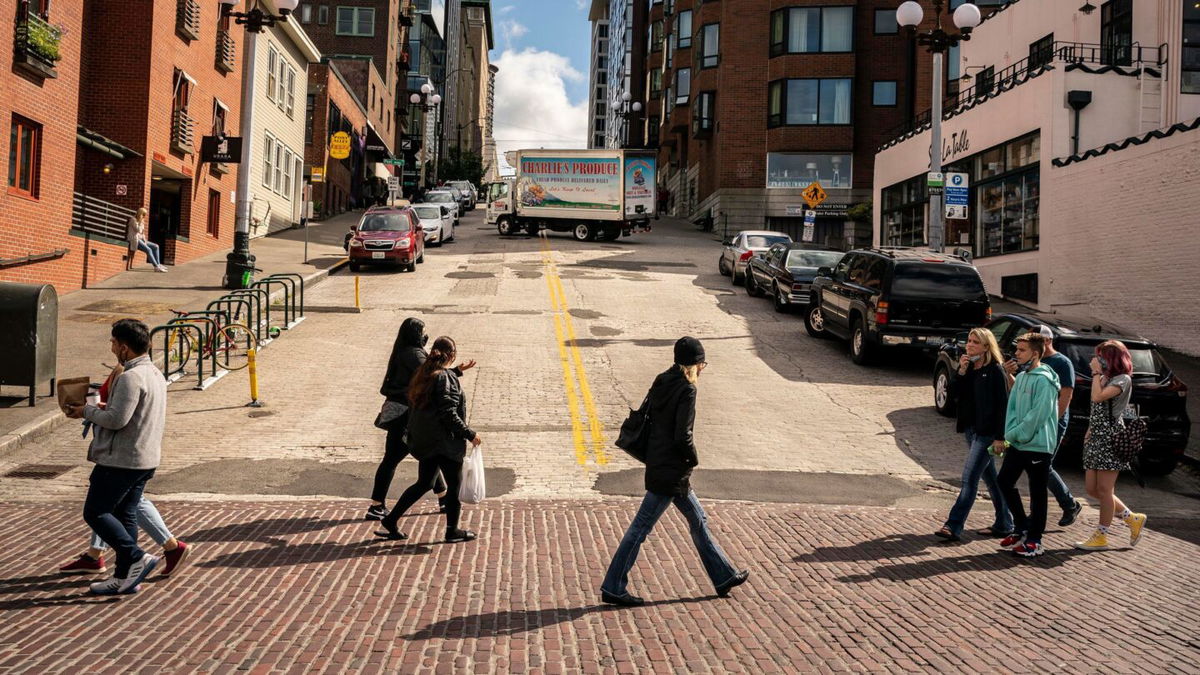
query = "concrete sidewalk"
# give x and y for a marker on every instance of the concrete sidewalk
(84, 316)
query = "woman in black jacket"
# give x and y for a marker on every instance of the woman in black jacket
(982, 391)
(437, 436)
(670, 457)
(408, 353)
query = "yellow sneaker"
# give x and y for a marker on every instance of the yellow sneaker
(1135, 521)
(1097, 542)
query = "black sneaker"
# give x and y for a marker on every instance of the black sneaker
(457, 536)
(441, 504)
(1070, 515)
(376, 512)
(626, 600)
(737, 580)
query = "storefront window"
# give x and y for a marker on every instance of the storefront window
(903, 213)
(796, 170)
(1008, 214)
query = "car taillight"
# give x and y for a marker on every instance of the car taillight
(881, 312)
(988, 315)
(1176, 385)
(746, 256)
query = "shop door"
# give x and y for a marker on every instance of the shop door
(164, 216)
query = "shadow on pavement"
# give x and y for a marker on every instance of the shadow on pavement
(317, 552)
(991, 561)
(267, 530)
(888, 547)
(513, 622)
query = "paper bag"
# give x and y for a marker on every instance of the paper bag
(72, 391)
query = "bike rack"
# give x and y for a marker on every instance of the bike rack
(165, 330)
(211, 321)
(232, 301)
(265, 284)
(262, 303)
(297, 281)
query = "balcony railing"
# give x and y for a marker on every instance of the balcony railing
(183, 133)
(98, 217)
(187, 19)
(36, 42)
(959, 100)
(226, 51)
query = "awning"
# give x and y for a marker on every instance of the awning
(95, 141)
(381, 171)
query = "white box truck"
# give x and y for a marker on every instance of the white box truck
(596, 195)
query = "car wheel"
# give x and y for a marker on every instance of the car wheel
(421, 258)
(582, 232)
(941, 392)
(355, 267)
(814, 319)
(532, 229)
(734, 277)
(861, 349)
(722, 267)
(1158, 466)
(750, 284)
(451, 233)
(504, 226)
(781, 305)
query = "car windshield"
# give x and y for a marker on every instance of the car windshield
(428, 212)
(1146, 360)
(937, 281)
(384, 222)
(765, 240)
(800, 258)
(439, 197)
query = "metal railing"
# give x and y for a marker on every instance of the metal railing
(96, 216)
(226, 51)
(36, 38)
(187, 19)
(183, 133)
(957, 101)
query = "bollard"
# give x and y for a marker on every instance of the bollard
(357, 303)
(253, 366)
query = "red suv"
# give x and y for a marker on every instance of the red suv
(390, 235)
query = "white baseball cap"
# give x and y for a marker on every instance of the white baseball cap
(1045, 331)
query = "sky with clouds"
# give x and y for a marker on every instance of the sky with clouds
(542, 49)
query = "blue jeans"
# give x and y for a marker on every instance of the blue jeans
(979, 465)
(110, 509)
(149, 519)
(152, 252)
(1058, 487)
(718, 567)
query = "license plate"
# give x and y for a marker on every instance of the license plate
(378, 255)
(935, 340)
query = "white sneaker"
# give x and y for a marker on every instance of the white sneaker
(110, 586)
(160, 268)
(138, 572)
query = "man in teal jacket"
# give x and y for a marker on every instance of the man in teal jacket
(1030, 434)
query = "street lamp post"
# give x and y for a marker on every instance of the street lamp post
(240, 260)
(428, 101)
(966, 18)
(629, 108)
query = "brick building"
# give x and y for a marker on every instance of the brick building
(1049, 219)
(38, 145)
(331, 107)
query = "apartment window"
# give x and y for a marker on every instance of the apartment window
(708, 53)
(683, 29)
(220, 112)
(291, 90)
(798, 170)
(602, 31)
(1190, 66)
(985, 81)
(281, 97)
(655, 83)
(268, 160)
(652, 131)
(1116, 32)
(809, 101)
(885, 22)
(883, 93)
(322, 15)
(805, 30)
(602, 78)
(656, 36)
(24, 157)
(1041, 52)
(704, 113)
(272, 76)
(683, 86)
(306, 14)
(357, 21)
(288, 161)
(213, 226)
(310, 105)
(277, 181)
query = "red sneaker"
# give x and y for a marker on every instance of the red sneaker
(1014, 539)
(173, 559)
(1029, 549)
(84, 564)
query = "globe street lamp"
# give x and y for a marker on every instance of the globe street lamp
(629, 108)
(909, 15)
(240, 261)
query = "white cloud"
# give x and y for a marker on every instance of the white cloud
(510, 30)
(505, 9)
(583, 4)
(532, 106)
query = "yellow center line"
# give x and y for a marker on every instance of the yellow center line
(562, 317)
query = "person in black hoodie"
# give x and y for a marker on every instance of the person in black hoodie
(670, 458)
(438, 435)
(982, 391)
(408, 353)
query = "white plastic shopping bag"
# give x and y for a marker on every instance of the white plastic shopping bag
(473, 487)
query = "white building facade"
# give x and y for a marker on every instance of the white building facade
(598, 78)
(282, 55)
(1079, 136)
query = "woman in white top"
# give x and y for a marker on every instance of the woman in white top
(136, 234)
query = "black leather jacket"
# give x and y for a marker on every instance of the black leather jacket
(439, 428)
(671, 454)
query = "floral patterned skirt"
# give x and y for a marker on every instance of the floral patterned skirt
(1098, 452)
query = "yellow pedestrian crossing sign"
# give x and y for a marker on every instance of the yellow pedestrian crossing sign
(814, 195)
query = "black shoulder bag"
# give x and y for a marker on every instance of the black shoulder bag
(635, 432)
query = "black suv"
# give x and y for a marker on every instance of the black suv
(1158, 395)
(896, 297)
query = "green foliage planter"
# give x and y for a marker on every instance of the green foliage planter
(43, 41)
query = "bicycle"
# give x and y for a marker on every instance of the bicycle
(229, 344)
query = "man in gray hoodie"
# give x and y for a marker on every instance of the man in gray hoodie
(126, 449)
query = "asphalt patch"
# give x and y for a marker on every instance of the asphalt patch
(789, 487)
(470, 275)
(585, 314)
(299, 477)
(605, 331)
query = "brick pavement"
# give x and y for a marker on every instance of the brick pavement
(291, 587)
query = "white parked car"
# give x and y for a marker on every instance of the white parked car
(467, 188)
(444, 198)
(436, 222)
(738, 251)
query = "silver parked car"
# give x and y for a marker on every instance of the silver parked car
(738, 250)
(436, 221)
(447, 198)
(468, 189)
